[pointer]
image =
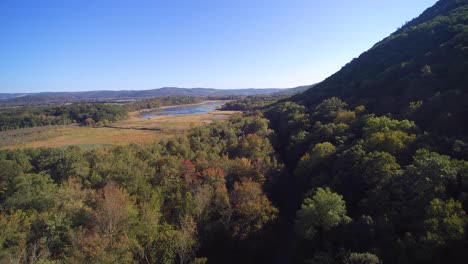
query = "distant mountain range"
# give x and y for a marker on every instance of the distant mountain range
(70, 97)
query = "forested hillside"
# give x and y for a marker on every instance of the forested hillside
(377, 153)
(420, 70)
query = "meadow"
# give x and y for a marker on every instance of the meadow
(132, 130)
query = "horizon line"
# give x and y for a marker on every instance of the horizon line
(173, 87)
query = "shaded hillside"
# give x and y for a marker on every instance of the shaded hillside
(376, 156)
(426, 60)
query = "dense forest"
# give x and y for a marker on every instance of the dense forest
(198, 197)
(371, 184)
(420, 71)
(92, 114)
(156, 102)
(377, 154)
(253, 102)
(369, 166)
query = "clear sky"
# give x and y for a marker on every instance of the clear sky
(71, 45)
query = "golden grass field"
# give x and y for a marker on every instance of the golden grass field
(132, 130)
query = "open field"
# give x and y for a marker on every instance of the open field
(180, 122)
(132, 130)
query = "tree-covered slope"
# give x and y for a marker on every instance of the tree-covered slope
(426, 60)
(376, 156)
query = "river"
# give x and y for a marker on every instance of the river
(201, 108)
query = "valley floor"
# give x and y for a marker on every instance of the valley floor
(133, 130)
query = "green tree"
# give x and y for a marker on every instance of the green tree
(346, 117)
(31, 192)
(426, 70)
(14, 231)
(323, 150)
(431, 173)
(307, 167)
(374, 124)
(446, 221)
(392, 141)
(361, 258)
(379, 168)
(148, 226)
(329, 108)
(323, 211)
(433, 165)
(386, 134)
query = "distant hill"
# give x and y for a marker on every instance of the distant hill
(5, 96)
(425, 63)
(70, 97)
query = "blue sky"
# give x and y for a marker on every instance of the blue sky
(135, 44)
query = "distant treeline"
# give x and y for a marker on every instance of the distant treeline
(84, 114)
(162, 101)
(253, 102)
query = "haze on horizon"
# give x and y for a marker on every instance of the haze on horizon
(124, 45)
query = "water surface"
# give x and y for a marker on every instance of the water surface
(183, 110)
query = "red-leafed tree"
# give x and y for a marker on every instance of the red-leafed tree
(251, 208)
